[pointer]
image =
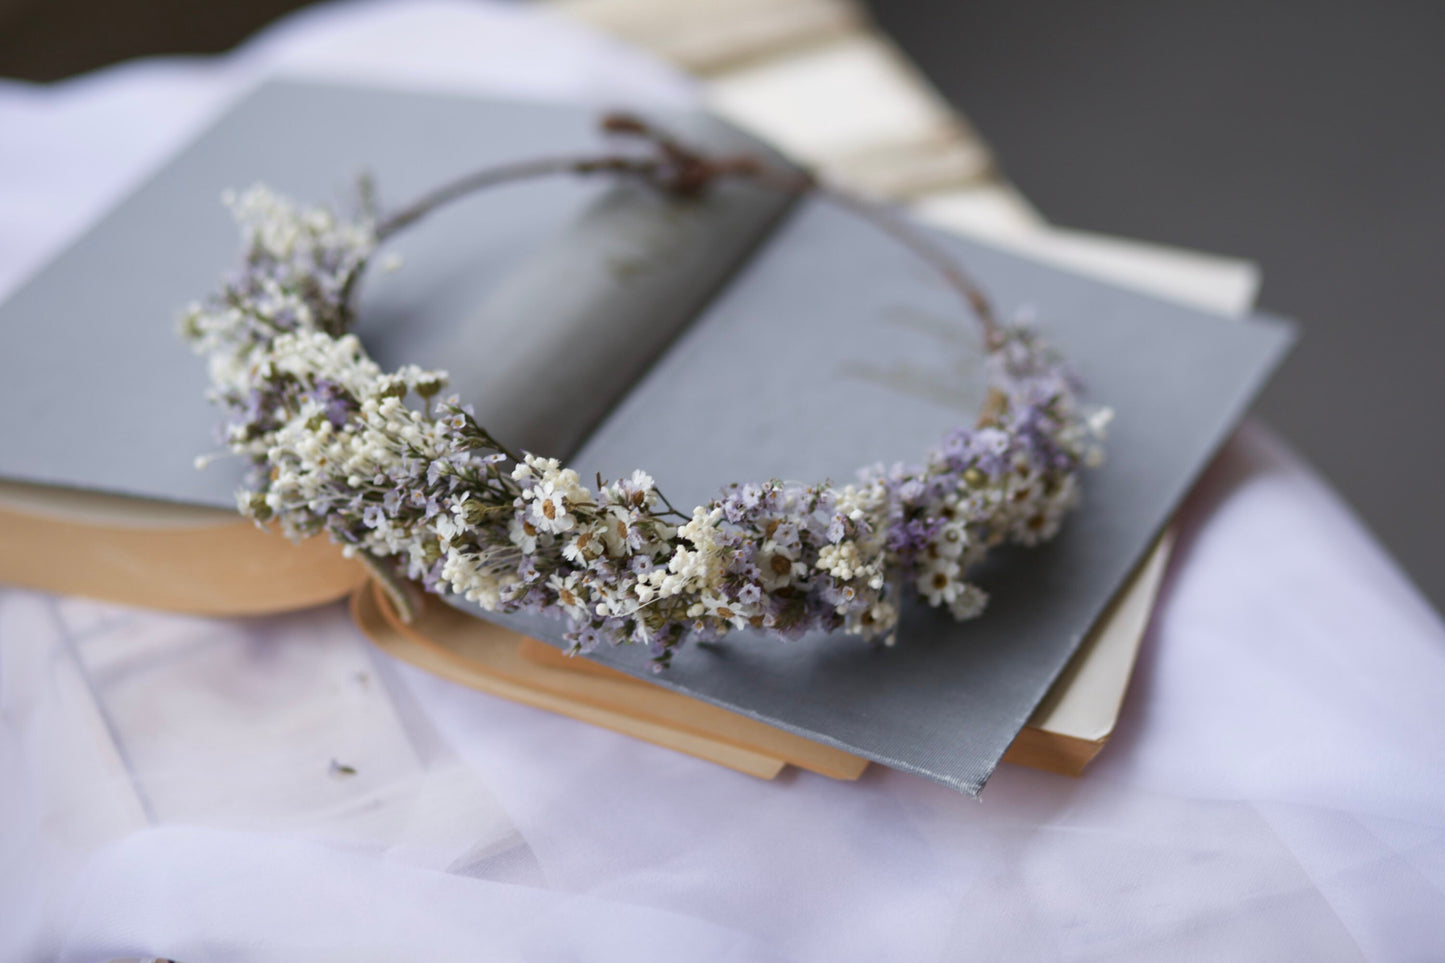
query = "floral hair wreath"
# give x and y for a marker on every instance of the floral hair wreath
(412, 484)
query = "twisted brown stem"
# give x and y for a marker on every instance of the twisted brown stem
(680, 171)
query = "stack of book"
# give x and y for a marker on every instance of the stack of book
(755, 335)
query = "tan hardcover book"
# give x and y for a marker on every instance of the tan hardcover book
(161, 555)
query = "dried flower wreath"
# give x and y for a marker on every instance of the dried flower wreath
(415, 486)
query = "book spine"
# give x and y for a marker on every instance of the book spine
(551, 351)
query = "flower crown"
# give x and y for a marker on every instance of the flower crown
(414, 485)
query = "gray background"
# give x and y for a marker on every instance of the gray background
(1303, 133)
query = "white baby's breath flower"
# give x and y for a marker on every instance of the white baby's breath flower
(523, 534)
(570, 593)
(777, 568)
(584, 546)
(548, 510)
(968, 603)
(938, 582)
(951, 539)
(842, 561)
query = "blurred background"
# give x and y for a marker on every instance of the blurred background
(1306, 136)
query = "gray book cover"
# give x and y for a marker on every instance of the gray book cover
(834, 348)
(745, 337)
(545, 299)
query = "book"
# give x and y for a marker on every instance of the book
(618, 329)
(161, 555)
(796, 72)
(1064, 734)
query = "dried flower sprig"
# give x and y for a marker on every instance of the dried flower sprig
(412, 482)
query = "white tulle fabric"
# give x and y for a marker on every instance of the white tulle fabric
(275, 790)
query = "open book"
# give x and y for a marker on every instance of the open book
(746, 336)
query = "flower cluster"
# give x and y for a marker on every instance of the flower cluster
(386, 466)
